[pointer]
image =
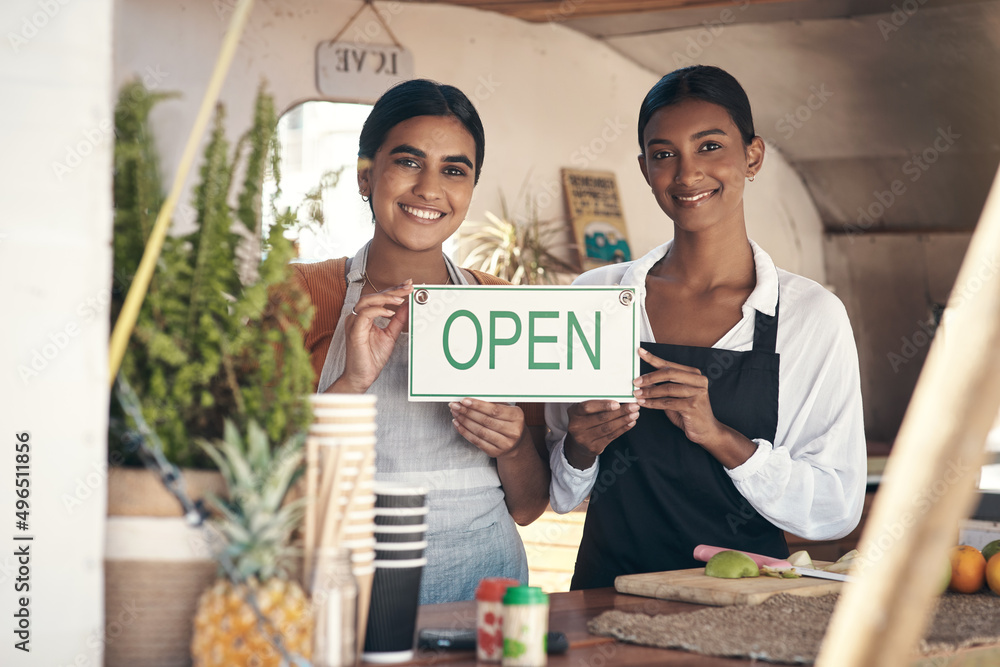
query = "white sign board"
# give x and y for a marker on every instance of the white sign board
(356, 72)
(523, 343)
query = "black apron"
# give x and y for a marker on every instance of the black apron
(658, 495)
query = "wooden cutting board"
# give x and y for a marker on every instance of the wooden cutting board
(693, 586)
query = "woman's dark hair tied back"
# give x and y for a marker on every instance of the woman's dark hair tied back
(420, 97)
(699, 82)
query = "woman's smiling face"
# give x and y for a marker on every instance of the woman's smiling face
(695, 163)
(421, 181)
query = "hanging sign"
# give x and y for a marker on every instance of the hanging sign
(523, 343)
(356, 72)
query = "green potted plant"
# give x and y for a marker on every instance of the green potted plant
(218, 338)
(521, 249)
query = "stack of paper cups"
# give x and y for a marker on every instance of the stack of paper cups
(340, 472)
(400, 531)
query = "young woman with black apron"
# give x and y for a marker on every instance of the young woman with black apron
(702, 456)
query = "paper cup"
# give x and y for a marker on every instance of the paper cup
(324, 415)
(362, 558)
(358, 517)
(381, 520)
(359, 528)
(366, 430)
(342, 400)
(392, 620)
(366, 440)
(388, 494)
(399, 550)
(352, 471)
(359, 543)
(401, 511)
(352, 456)
(400, 516)
(363, 569)
(400, 489)
(362, 503)
(360, 442)
(410, 533)
(382, 556)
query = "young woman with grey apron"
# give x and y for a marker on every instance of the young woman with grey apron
(470, 532)
(659, 495)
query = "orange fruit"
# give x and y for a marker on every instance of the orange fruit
(990, 549)
(968, 569)
(993, 573)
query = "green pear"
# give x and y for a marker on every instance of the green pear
(731, 565)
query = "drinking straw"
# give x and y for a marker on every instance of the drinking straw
(368, 461)
(312, 481)
(332, 479)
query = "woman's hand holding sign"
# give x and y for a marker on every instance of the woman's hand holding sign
(369, 346)
(496, 428)
(682, 393)
(593, 425)
(499, 430)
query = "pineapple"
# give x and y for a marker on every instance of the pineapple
(257, 533)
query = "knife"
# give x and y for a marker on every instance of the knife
(822, 574)
(703, 552)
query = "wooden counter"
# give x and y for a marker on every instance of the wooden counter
(570, 612)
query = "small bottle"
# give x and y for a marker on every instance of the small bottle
(335, 609)
(525, 626)
(489, 617)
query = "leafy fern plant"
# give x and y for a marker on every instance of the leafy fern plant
(208, 346)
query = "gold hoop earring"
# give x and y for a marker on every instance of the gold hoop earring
(751, 177)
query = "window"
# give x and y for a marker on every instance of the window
(318, 138)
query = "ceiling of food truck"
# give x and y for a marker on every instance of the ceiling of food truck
(889, 107)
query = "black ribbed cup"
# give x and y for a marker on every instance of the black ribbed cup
(392, 619)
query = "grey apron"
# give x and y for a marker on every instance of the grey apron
(471, 535)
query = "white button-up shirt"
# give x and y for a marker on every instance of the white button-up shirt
(811, 480)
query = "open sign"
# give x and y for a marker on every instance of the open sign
(523, 343)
